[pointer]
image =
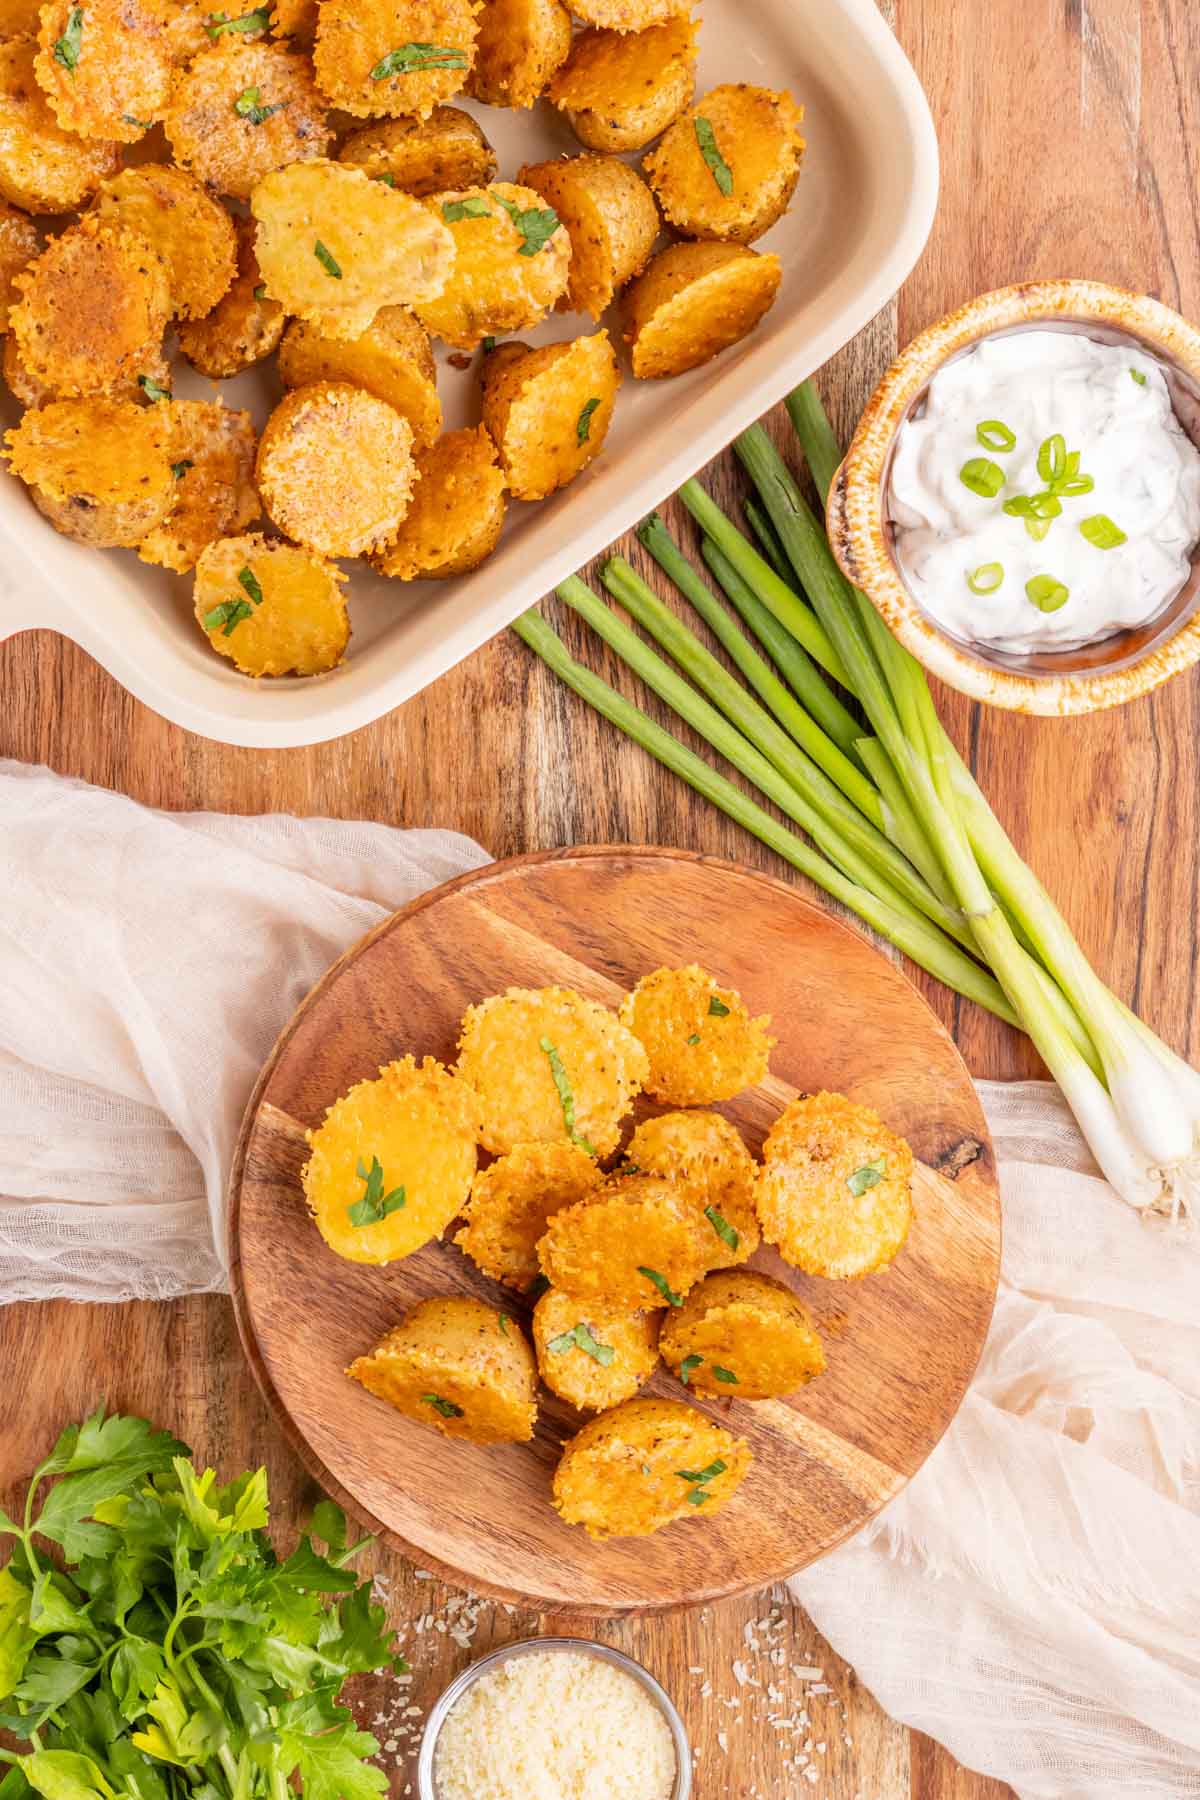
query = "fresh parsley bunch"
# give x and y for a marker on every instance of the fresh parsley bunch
(174, 1656)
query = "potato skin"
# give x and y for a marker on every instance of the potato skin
(301, 628)
(694, 301)
(42, 167)
(619, 90)
(215, 492)
(521, 44)
(424, 156)
(92, 310)
(243, 327)
(705, 1154)
(538, 408)
(575, 1374)
(335, 468)
(757, 130)
(748, 1327)
(601, 1481)
(817, 1146)
(501, 1055)
(512, 1200)
(20, 242)
(597, 1250)
(229, 152)
(391, 359)
(457, 512)
(493, 287)
(610, 217)
(190, 230)
(355, 36)
(122, 77)
(472, 1359)
(671, 1007)
(99, 469)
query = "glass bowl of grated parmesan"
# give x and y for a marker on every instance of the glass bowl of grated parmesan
(554, 1718)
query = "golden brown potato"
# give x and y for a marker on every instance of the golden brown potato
(728, 168)
(106, 67)
(392, 1160)
(610, 218)
(628, 15)
(702, 1043)
(335, 247)
(243, 327)
(521, 44)
(19, 18)
(619, 90)
(510, 264)
(835, 1189)
(240, 111)
(295, 19)
(190, 30)
(742, 1336)
(191, 231)
(392, 359)
(275, 610)
(549, 1067)
(212, 459)
(639, 1243)
(18, 379)
(394, 58)
(100, 470)
(705, 1154)
(20, 242)
(459, 1366)
(335, 468)
(645, 1464)
(42, 167)
(457, 512)
(694, 301)
(511, 1201)
(549, 410)
(593, 1356)
(92, 310)
(424, 156)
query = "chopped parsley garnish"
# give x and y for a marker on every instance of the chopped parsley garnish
(228, 614)
(706, 137)
(699, 1478)
(473, 207)
(142, 124)
(580, 1337)
(260, 292)
(1138, 377)
(249, 106)
(1101, 532)
(387, 178)
(258, 20)
(326, 260)
(695, 1038)
(724, 1374)
(717, 1009)
(660, 1282)
(152, 389)
(375, 1204)
(180, 469)
(447, 1408)
(538, 1286)
(645, 1468)
(722, 1227)
(687, 1365)
(698, 1496)
(408, 57)
(488, 345)
(536, 224)
(503, 1318)
(249, 580)
(566, 1098)
(583, 425)
(66, 50)
(869, 1176)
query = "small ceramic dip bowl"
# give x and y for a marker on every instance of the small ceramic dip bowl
(1082, 679)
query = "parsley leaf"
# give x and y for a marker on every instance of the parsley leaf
(447, 1408)
(706, 138)
(583, 425)
(536, 224)
(258, 20)
(717, 1009)
(326, 260)
(228, 614)
(687, 1365)
(407, 57)
(869, 1176)
(152, 389)
(375, 1204)
(249, 106)
(180, 469)
(724, 1374)
(66, 50)
(566, 1095)
(722, 1227)
(580, 1338)
(474, 206)
(249, 580)
(660, 1282)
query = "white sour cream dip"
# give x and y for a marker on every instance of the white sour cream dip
(1108, 405)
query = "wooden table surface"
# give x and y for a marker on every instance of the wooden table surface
(1070, 136)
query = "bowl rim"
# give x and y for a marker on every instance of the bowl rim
(450, 1695)
(855, 512)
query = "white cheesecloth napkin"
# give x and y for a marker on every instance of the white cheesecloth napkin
(1032, 1599)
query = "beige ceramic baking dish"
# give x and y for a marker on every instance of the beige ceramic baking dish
(861, 216)
(1106, 673)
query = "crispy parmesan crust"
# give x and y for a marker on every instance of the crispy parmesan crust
(424, 156)
(521, 45)
(20, 242)
(705, 1154)
(744, 1325)
(459, 1366)
(575, 1374)
(457, 513)
(42, 167)
(335, 468)
(548, 411)
(619, 90)
(493, 287)
(227, 150)
(629, 15)
(610, 217)
(191, 231)
(757, 131)
(694, 301)
(243, 327)
(355, 36)
(300, 628)
(98, 469)
(511, 1202)
(598, 1250)
(93, 310)
(296, 20)
(392, 359)
(212, 459)
(18, 379)
(122, 76)
(620, 1476)
(702, 1043)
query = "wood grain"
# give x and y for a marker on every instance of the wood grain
(902, 1345)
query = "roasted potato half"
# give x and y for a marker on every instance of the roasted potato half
(212, 460)
(694, 301)
(191, 231)
(621, 89)
(19, 18)
(243, 327)
(99, 469)
(92, 311)
(394, 58)
(295, 20)
(702, 1043)
(457, 510)
(239, 111)
(20, 382)
(511, 1202)
(705, 1154)
(276, 610)
(424, 156)
(638, 1243)
(728, 168)
(335, 468)
(106, 67)
(521, 44)
(742, 1336)
(459, 1366)
(510, 264)
(42, 167)
(645, 1464)
(20, 243)
(629, 15)
(391, 359)
(548, 411)
(593, 1356)
(610, 218)
(834, 1192)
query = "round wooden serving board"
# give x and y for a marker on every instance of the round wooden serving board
(901, 1345)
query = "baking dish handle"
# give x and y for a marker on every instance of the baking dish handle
(27, 600)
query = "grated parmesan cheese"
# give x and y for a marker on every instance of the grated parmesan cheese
(557, 1726)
